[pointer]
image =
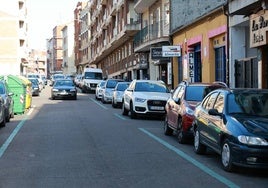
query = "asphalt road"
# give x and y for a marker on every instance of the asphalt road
(84, 143)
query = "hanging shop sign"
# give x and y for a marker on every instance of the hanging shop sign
(157, 54)
(258, 29)
(171, 51)
(191, 65)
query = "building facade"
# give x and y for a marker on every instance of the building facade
(68, 65)
(113, 24)
(248, 44)
(202, 35)
(13, 39)
(148, 42)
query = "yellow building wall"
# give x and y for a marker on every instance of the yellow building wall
(202, 28)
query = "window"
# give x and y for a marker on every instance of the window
(219, 103)
(211, 100)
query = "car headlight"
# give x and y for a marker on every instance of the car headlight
(189, 111)
(55, 90)
(251, 140)
(139, 100)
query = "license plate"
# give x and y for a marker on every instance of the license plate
(157, 108)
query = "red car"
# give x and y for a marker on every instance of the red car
(181, 105)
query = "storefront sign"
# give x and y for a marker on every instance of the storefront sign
(191, 66)
(156, 54)
(258, 29)
(171, 51)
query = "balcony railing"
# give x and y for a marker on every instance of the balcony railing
(151, 32)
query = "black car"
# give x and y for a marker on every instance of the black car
(8, 100)
(234, 123)
(64, 88)
(35, 86)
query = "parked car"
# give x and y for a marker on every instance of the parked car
(108, 89)
(78, 80)
(35, 86)
(181, 105)
(39, 77)
(234, 123)
(99, 90)
(8, 100)
(145, 97)
(56, 77)
(118, 93)
(2, 113)
(64, 88)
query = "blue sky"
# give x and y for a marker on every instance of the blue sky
(43, 16)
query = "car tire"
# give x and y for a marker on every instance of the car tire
(198, 147)
(226, 156)
(167, 130)
(124, 110)
(133, 115)
(113, 104)
(180, 134)
(3, 123)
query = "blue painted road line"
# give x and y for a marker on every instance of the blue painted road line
(11, 137)
(104, 107)
(192, 160)
(119, 116)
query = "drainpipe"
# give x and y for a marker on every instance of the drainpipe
(226, 13)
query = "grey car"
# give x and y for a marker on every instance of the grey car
(8, 100)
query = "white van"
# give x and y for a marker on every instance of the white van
(90, 79)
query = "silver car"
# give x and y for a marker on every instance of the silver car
(99, 90)
(8, 100)
(118, 93)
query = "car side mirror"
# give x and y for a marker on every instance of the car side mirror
(177, 101)
(214, 112)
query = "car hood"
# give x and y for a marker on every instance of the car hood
(153, 95)
(255, 125)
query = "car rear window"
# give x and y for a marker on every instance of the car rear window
(194, 93)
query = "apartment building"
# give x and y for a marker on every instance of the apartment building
(77, 39)
(248, 44)
(113, 24)
(148, 42)
(13, 39)
(68, 66)
(55, 50)
(200, 29)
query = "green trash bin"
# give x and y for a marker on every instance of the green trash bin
(18, 87)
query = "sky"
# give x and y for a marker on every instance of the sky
(43, 16)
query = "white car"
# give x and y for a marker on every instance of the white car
(118, 93)
(145, 97)
(108, 89)
(99, 90)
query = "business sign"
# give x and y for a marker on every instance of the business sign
(157, 54)
(258, 29)
(171, 51)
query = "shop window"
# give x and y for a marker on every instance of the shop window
(220, 64)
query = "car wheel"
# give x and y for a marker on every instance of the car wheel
(198, 147)
(180, 135)
(167, 130)
(226, 156)
(7, 116)
(102, 100)
(113, 104)
(133, 115)
(124, 110)
(3, 123)
(12, 114)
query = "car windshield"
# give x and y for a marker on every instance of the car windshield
(197, 93)
(151, 87)
(2, 89)
(111, 83)
(255, 103)
(58, 77)
(93, 75)
(122, 87)
(64, 83)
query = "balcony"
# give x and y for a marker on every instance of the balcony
(142, 5)
(152, 34)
